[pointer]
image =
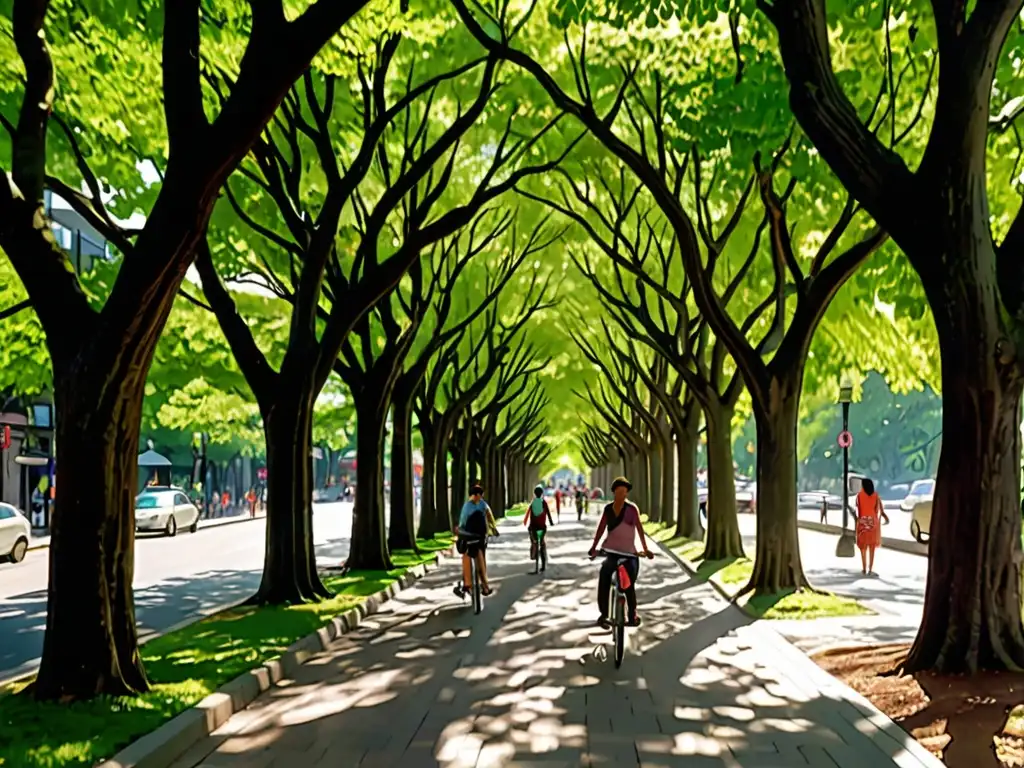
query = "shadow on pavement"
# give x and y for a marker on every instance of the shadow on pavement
(530, 682)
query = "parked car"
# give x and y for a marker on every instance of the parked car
(746, 497)
(15, 534)
(165, 509)
(921, 520)
(919, 491)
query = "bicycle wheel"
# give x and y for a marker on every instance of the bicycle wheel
(619, 629)
(536, 554)
(543, 553)
(478, 600)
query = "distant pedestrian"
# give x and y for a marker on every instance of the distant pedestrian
(870, 515)
(558, 502)
(824, 509)
(251, 498)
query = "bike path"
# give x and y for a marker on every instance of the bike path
(530, 682)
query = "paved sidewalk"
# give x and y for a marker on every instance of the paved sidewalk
(529, 683)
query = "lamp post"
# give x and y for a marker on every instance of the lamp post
(846, 545)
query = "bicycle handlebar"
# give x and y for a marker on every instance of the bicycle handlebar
(607, 552)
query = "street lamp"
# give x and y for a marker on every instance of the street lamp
(846, 545)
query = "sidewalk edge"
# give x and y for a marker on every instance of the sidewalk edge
(885, 731)
(162, 747)
(883, 727)
(224, 521)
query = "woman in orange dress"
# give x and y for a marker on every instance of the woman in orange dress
(870, 514)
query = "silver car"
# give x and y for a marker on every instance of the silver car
(166, 510)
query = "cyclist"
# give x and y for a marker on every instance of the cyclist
(476, 523)
(621, 520)
(537, 518)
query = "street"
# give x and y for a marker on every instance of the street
(176, 579)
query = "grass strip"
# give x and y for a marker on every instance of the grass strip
(516, 510)
(733, 574)
(184, 667)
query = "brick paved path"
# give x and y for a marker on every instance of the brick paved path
(528, 683)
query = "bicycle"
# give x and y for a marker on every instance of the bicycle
(476, 592)
(540, 552)
(617, 601)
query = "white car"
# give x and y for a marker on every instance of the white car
(919, 491)
(15, 534)
(165, 509)
(921, 520)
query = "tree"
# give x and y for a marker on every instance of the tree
(101, 357)
(479, 287)
(648, 295)
(357, 234)
(939, 216)
(774, 385)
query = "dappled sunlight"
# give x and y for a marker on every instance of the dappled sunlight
(427, 682)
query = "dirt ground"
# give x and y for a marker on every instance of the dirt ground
(968, 722)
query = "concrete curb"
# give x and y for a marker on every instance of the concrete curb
(884, 731)
(690, 568)
(900, 545)
(162, 747)
(817, 682)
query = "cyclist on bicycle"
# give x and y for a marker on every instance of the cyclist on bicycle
(621, 520)
(537, 518)
(476, 523)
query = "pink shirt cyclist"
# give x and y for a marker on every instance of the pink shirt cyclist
(621, 520)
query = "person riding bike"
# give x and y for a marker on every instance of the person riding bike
(621, 520)
(476, 523)
(537, 517)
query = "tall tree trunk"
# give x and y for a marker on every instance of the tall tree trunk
(450, 499)
(723, 540)
(91, 646)
(667, 513)
(289, 563)
(688, 519)
(428, 502)
(401, 532)
(972, 616)
(654, 457)
(369, 545)
(777, 564)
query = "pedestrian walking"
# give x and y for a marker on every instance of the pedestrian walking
(251, 498)
(870, 515)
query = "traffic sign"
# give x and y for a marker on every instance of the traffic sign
(845, 439)
(261, 473)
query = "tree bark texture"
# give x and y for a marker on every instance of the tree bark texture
(723, 540)
(289, 564)
(655, 458)
(667, 513)
(401, 532)
(369, 545)
(687, 519)
(972, 617)
(777, 566)
(91, 646)
(428, 502)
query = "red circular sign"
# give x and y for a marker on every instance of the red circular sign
(845, 439)
(261, 473)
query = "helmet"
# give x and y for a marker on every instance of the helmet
(538, 491)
